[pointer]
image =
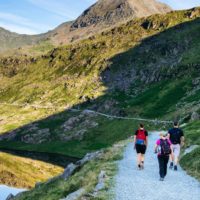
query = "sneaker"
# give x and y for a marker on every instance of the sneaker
(161, 179)
(175, 168)
(171, 165)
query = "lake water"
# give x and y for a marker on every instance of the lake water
(5, 191)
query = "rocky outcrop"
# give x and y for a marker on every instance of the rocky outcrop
(75, 195)
(101, 182)
(69, 170)
(11, 65)
(109, 12)
(10, 197)
(195, 116)
(76, 127)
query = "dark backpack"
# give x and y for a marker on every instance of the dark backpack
(165, 147)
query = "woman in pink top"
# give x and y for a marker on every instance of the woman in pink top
(163, 148)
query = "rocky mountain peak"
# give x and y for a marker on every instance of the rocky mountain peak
(113, 11)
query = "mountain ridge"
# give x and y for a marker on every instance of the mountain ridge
(96, 18)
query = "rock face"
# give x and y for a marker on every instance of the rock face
(114, 11)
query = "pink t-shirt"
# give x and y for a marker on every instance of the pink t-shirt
(158, 143)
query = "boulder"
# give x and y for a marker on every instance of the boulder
(101, 181)
(190, 149)
(88, 157)
(69, 170)
(75, 195)
(195, 116)
(10, 197)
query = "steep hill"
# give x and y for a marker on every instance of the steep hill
(96, 18)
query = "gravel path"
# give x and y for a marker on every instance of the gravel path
(132, 184)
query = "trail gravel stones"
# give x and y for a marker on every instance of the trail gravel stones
(132, 184)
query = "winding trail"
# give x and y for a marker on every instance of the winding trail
(132, 184)
(155, 121)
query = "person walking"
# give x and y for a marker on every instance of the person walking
(140, 144)
(176, 136)
(163, 148)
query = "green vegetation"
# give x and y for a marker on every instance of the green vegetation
(23, 172)
(146, 67)
(86, 177)
(191, 161)
(104, 135)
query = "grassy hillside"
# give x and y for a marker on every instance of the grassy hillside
(191, 161)
(86, 177)
(147, 67)
(136, 69)
(75, 73)
(23, 172)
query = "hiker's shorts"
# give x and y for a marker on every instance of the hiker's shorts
(140, 148)
(176, 150)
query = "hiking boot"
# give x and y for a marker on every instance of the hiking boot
(161, 179)
(171, 165)
(175, 168)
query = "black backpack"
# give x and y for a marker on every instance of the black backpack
(165, 147)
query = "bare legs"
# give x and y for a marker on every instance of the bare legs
(140, 160)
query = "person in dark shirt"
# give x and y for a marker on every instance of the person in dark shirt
(140, 144)
(176, 137)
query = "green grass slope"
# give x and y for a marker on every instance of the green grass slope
(24, 172)
(146, 67)
(191, 161)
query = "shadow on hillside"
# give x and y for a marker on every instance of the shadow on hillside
(162, 45)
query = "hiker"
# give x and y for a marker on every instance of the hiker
(140, 144)
(176, 136)
(163, 148)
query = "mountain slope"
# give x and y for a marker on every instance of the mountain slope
(118, 72)
(145, 67)
(102, 15)
(10, 40)
(107, 12)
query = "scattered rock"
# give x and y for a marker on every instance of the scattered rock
(69, 171)
(40, 136)
(190, 149)
(89, 157)
(10, 197)
(101, 181)
(75, 195)
(195, 116)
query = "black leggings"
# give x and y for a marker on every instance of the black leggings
(163, 161)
